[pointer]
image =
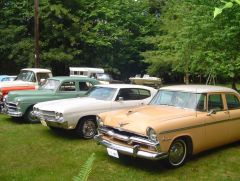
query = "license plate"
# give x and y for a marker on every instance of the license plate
(43, 123)
(112, 152)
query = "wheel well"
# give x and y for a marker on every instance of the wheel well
(89, 116)
(29, 107)
(189, 143)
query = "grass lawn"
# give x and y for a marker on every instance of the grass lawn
(33, 152)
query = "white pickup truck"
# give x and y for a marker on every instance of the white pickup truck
(28, 77)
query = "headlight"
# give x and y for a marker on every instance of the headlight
(59, 116)
(4, 98)
(151, 134)
(99, 121)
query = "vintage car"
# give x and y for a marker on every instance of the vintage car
(8, 78)
(20, 103)
(80, 113)
(28, 77)
(179, 121)
(4, 91)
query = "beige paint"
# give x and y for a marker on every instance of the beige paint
(206, 131)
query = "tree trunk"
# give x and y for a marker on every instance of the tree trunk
(234, 81)
(186, 78)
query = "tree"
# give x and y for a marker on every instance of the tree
(193, 43)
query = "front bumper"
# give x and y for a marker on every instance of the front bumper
(63, 125)
(13, 113)
(135, 152)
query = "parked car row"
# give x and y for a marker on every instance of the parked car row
(171, 123)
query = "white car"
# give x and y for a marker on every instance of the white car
(80, 113)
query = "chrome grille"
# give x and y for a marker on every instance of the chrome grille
(47, 115)
(126, 137)
(11, 106)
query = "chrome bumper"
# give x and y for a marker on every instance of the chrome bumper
(63, 125)
(12, 113)
(135, 152)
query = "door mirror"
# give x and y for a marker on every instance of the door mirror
(42, 81)
(120, 99)
(212, 111)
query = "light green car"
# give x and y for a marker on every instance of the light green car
(20, 103)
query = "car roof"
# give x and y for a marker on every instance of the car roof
(36, 70)
(198, 88)
(124, 86)
(69, 78)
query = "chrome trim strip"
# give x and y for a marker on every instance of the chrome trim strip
(197, 126)
(135, 151)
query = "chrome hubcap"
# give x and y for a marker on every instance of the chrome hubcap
(31, 116)
(177, 153)
(89, 129)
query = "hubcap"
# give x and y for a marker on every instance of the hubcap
(177, 153)
(89, 129)
(32, 117)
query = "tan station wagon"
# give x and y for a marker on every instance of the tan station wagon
(179, 121)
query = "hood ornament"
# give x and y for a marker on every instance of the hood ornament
(122, 124)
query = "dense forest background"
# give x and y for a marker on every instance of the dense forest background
(176, 40)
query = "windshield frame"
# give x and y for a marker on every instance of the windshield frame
(197, 95)
(27, 80)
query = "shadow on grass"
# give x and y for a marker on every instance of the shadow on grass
(156, 167)
(61, 133)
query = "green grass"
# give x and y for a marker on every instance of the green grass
(33, 152)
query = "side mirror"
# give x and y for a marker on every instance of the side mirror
(212, 111)
(120, 99)
(42, 81)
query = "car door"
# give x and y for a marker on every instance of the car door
(216, 123)
(128, 97)
(233, 105)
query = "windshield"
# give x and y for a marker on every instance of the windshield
(101, 93)
(50, 84)
(26, 75)
(179, 99)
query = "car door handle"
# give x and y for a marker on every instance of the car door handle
(141, 104)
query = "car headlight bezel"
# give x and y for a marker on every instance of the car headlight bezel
(152, 135)
(59, 116)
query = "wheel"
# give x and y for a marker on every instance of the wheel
(177, 153)
(29, 116)
(86, 128)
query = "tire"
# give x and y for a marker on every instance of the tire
(86, 128)
(29, 117)
(177, 153)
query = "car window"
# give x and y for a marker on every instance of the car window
(132, 94)
(68, 86)
(232, 101)
(215, 102)
(84, 86)
(143, 93)
(42, 76)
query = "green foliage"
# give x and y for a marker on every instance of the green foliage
(227, 5)
(193, 43)
(97, 33)
(86, 169)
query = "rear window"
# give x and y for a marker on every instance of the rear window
(232, 101)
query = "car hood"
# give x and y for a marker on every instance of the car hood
(15, 83)
(139, 119)
(72, 105)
